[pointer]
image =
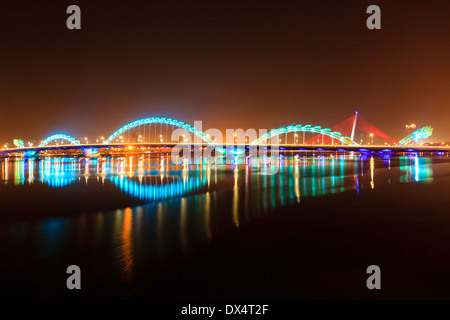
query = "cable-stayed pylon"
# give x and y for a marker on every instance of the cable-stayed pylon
(353, 124)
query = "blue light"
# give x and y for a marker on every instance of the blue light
(237, 151)
(416, 168)
(221, 150)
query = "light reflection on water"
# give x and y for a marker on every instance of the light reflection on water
(186, 205)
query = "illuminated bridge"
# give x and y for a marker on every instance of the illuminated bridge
(161, 135)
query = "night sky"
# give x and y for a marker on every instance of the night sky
(232, 64)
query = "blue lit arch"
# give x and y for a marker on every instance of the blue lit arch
(59, 136)
(173, 122)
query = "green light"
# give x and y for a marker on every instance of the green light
(307, 128)
(18, 143)
(416, 136)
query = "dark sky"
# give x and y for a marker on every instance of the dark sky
(232, 64)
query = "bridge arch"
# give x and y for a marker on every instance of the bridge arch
(156, 120)
(305, 128)
(59, 136)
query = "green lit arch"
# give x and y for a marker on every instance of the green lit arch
(151, 120)
(59, 136)
(307, 128)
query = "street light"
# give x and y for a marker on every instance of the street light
(371, 135)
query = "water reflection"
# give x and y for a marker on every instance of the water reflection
(415, 168)
(152, 180)
(186, 206)
(127, 247)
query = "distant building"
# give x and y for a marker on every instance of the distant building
(410, 128)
